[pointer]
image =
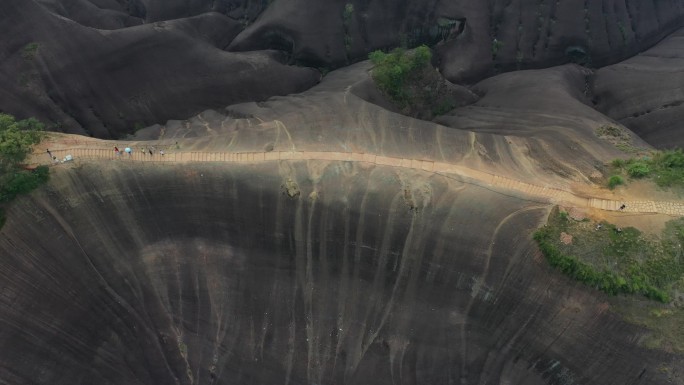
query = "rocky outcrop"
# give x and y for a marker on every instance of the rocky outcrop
(166, 59)
(474, 39)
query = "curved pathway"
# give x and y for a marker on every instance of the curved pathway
(482, 178)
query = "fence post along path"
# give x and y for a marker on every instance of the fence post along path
(479, 177)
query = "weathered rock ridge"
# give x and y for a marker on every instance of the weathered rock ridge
(108, 67)
(106, 83)
(321, 271)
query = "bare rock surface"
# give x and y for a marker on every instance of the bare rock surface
(476, 38)
(203, 274)
(310, 271)
(102, 14)
(645, 92)
(536, 125)
(106, 83)
(108, 67)
(551, 110)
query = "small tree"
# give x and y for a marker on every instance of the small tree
(638, 169)
(615, 181)
(16, 141)
(393, 70)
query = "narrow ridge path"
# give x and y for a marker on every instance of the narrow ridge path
(482, 178)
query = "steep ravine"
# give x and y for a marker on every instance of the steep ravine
(308, 272)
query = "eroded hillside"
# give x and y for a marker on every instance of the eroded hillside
(278, 220)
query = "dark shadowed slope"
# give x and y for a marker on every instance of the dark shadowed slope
(476, 37)
(107, 83)
(154, 60)
(645, 92)
(551, 110)
(305, 273)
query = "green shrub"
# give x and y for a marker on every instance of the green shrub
(23, 182)
(618, 163)
(393, 70)
(638, 169)
(670, 159)
(615, 181)
(665, 167)
(17, 138)
(16, 141)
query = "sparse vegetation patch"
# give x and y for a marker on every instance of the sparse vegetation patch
(665, 168)
(616, 260)
(29, 51)
(410, 81)
(619, 138)
(615, 181)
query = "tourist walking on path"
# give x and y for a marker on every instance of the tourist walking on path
(49, 153)
(116, 150)
(151, 154)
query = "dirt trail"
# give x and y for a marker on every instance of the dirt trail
(478, 177)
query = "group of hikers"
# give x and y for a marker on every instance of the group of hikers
(129, 151)
(55, 160)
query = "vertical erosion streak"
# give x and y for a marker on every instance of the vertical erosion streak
(440, 254)
(308, 288)
(349, 291)
(169, 372)
(379, 278)
(303, 282)
(411, 257)
(478, 285)
(291, 330)
(343, 289)
(327, 331)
